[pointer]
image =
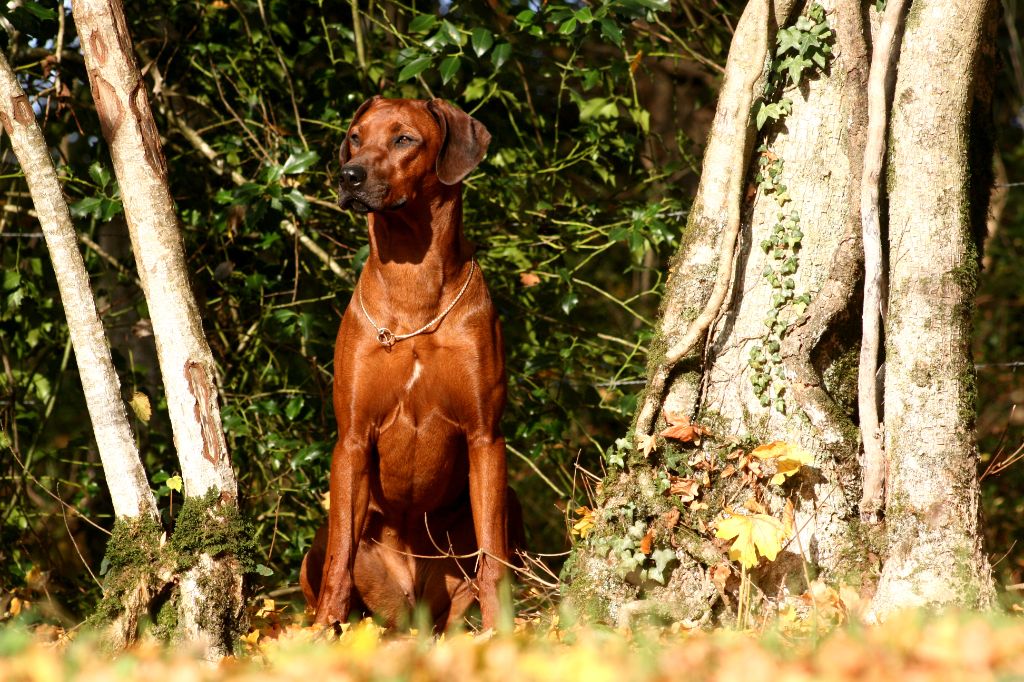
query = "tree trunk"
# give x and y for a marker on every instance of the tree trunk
(780, 359)
(133, 501)
(210, 602)
(939, 178)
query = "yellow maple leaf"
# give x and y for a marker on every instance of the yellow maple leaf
(788, 458)
(586, 522)
(754, 534)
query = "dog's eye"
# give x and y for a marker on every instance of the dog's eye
(353, 139)
(403, 140)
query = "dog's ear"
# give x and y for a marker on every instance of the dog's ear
(464, 141)
(344, 153)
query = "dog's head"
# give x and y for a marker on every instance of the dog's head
(398, 150)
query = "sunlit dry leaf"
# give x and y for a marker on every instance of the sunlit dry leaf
(788, 458)
(728, 471)
(647, 543)
(141, 407)
(529, 279)
(788, 518)
(720, 575)
(753, 505)
(670, 518)
(645, 442)
(586, 522)
(686, 488)
(752, 534)
(325, 501)
(682, 429)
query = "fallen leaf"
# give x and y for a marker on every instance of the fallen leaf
(645, 442)
(788, 458)
(670, 518)
(646, 544)
(728, 471)
(586, 522)
(686, 488)
(141, 407)
(529, 279)
(788, 518)
(752, 534)
(682, 429)
(720, 575)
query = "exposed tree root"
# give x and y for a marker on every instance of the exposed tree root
(882, 64)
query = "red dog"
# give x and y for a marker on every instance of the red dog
(419, 385)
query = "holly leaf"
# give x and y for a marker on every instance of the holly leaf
(752, 534)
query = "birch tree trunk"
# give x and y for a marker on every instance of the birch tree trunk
(122, 466)
(211, 591)
(780, 360)
(133, 501)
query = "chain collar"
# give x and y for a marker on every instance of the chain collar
(388, 338)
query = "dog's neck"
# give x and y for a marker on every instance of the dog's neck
(418, 261)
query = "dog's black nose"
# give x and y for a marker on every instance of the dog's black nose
(353, 175)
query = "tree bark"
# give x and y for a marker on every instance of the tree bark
(211, 592)
(938, 198)
(122, 466)
(938, 184)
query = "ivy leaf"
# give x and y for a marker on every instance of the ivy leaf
(752, 534)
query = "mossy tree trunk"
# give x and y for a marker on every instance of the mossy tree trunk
(939, 178)
(780, 360)
(210, 601)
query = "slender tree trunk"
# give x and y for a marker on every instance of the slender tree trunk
(130, 494)
(939, 176)
(122, 466)
(211, 592)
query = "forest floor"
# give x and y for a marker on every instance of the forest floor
(820, 642)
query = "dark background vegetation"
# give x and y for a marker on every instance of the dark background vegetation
(598, 113)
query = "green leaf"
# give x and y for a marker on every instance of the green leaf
(584, 16)
(413, 68)
(39, 11)
(299, 202)
(86, 206)
(610, 31)
(482, 40)
(500, 54)
(299, 163)
(423, 23)
(449, 67)
(264, 571)
(99, 174)
(568, 27)
(525, 17)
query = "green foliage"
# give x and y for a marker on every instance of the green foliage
(803, 49)
(581, 198)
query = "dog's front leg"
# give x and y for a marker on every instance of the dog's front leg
(487, 483)
(350, 497)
